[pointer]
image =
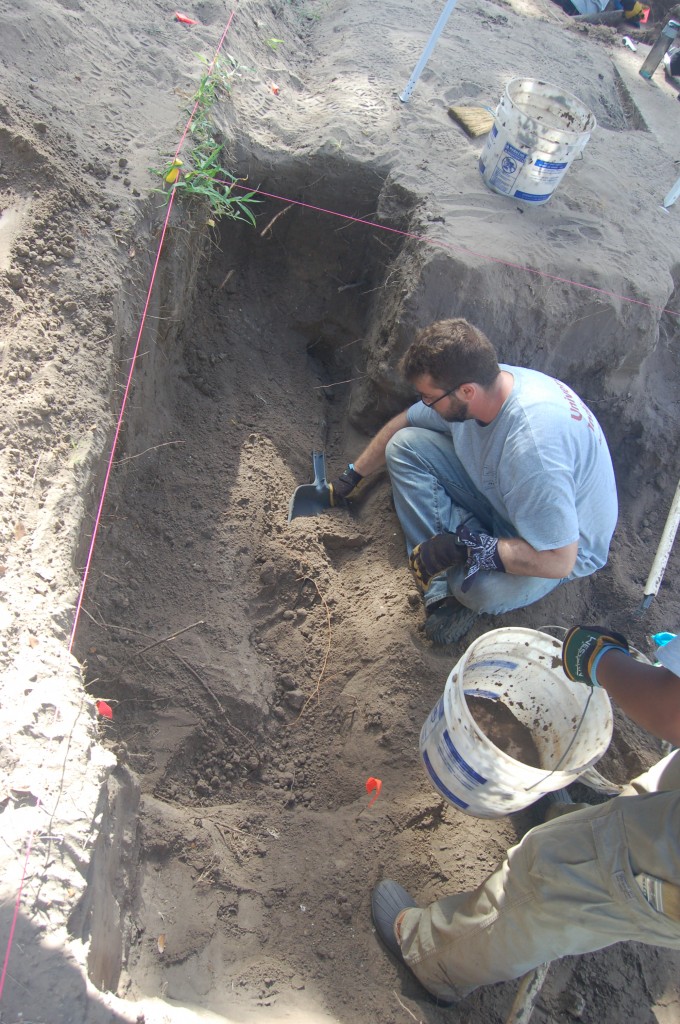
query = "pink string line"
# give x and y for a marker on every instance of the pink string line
(116, 435)
(98, 517)
(453, 248)
(207, 75)
(15, 917)
(133, 362)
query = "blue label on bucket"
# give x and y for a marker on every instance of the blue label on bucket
(459, 767)
(503, 663)
(432, 721)
(514, 153)
(549, 166)
(443, 789)
(476, 692)
(437, 711)
(531, 198)
(507, 169)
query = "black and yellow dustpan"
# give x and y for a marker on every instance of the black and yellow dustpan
(310, 499)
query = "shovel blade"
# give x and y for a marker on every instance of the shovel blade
(310, 499)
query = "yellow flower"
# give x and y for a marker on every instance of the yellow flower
(173, 174)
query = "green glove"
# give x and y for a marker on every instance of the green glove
(582, 648)
(343, 485)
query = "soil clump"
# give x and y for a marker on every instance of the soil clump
(502, 728)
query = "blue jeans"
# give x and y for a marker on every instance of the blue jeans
(434, 494)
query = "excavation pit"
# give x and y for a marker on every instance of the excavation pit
(260, 671)
(226, 859)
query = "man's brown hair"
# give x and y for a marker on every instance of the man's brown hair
(452, 352)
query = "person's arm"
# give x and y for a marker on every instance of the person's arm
(373, 455)
(649, 694)
(481, 552)
(371, 458)
(520, 559)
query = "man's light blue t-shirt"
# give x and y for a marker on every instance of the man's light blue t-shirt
(669, 655)
(543, 464)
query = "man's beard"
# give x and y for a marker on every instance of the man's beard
(458, 414)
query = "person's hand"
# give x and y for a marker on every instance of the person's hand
(482, 554)
(435, 555)
(633, 13)
(343, 485)
(582, 648)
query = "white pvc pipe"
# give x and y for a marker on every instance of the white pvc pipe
(672, 195)
(663, 551)
(417, 71)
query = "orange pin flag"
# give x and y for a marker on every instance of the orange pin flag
(185, 19)
(373, 784)
(104, 709)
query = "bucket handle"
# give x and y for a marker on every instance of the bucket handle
(562, 630)
(577, 730)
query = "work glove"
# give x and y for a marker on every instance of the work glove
(435, 555)
(482, 554)
(582, 648)
(633, 12)
(343, 485)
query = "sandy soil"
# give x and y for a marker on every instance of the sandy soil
(209, 853)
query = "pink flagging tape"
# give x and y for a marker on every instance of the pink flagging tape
(453, 248)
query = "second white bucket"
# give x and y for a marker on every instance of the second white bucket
(522, 668)
(538, 131)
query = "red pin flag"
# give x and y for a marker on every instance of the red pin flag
(104, 709)
(373, 784)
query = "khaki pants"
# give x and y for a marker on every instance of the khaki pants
(568, 887)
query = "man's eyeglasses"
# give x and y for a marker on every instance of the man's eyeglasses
(429, 405)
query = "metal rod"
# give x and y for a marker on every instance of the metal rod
(417, 71)
(672, 195)
(662, 552)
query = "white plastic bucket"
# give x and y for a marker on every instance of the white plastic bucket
(538, 131)
(522, 668)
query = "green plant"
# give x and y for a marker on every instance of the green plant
(203, 177)
(273, 43)
(209, 181)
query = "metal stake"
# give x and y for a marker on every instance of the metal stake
(663, 552)
(672, 195)
(417, 71)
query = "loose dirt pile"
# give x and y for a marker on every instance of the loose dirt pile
(211, 845)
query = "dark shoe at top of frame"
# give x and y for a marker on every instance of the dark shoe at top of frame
(388, 899)
(448, 621)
